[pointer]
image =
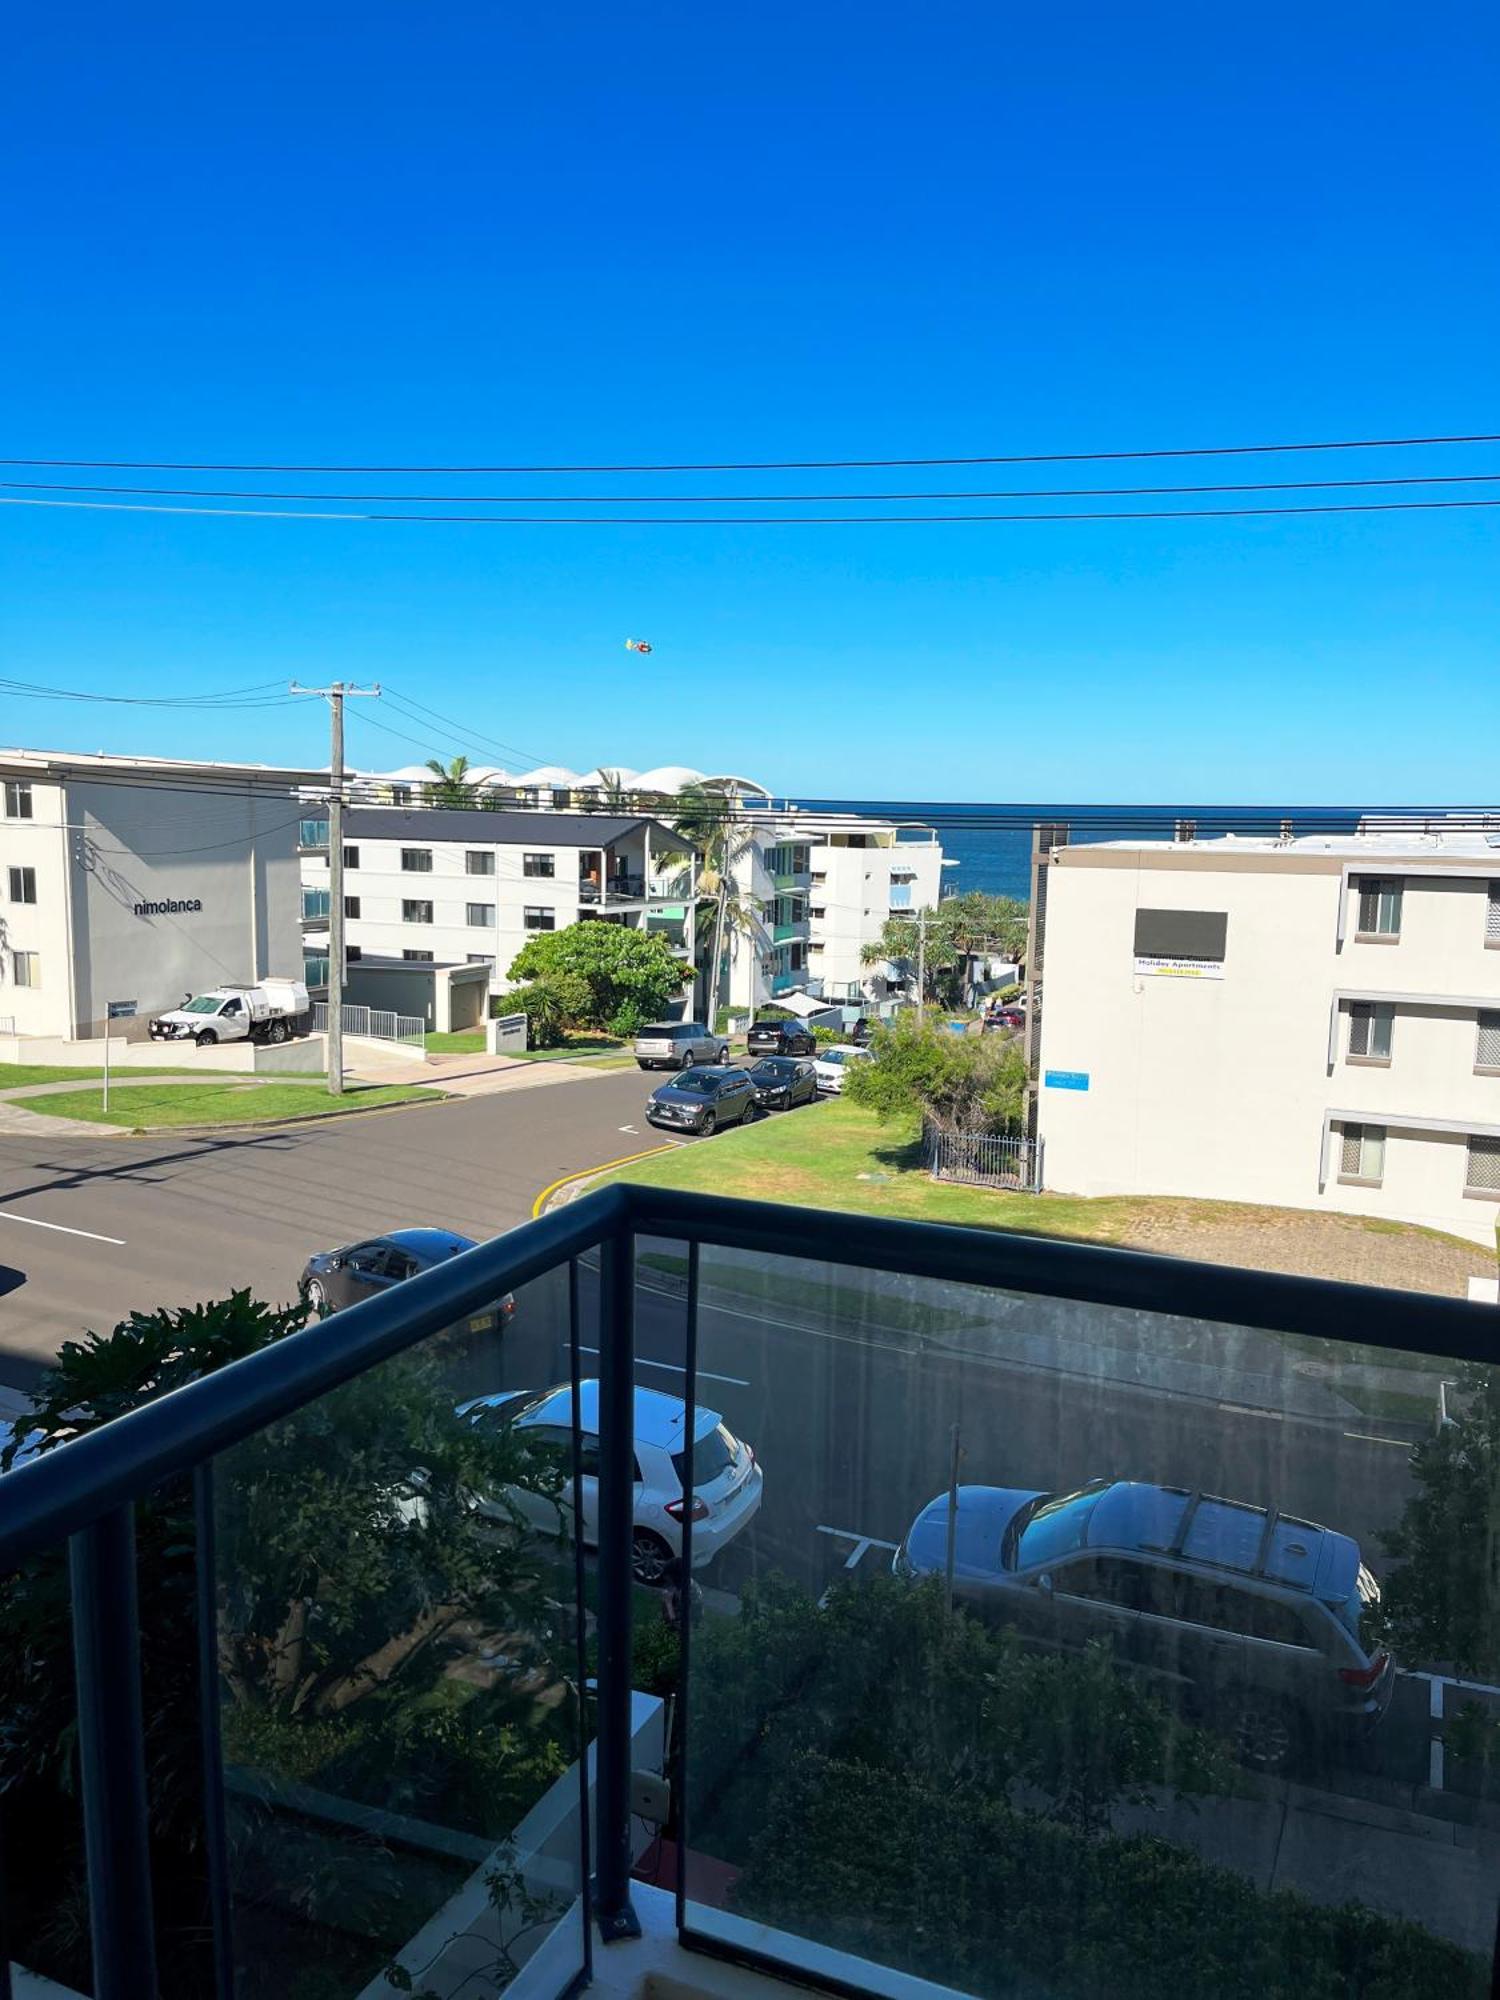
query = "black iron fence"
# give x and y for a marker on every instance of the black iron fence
(982, 1159)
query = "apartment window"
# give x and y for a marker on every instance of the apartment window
(480, 916)
(1379, 906)
(1363, 1154)
(541, 867)
(1482, 1175)
(351, 906)
(418, 957)
(26, 968)
(351, 857)
(1492, 915)
(416, 913)
(479, 958)
(479, 861)
(23, 885)
(540, 920)
(1487, 1044)
(17, 800)
(416, 860)
(352, 952)
(1370, 1032)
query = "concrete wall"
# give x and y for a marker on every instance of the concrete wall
(38, 843)
(305, 1057)
(1219, 1086)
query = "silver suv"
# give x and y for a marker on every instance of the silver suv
(1247, 1618)
(678, 1045)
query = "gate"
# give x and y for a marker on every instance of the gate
(375, 1023)
(982, 1159)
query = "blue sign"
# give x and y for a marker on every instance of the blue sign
(1066, 1079)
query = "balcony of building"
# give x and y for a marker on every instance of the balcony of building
(632, 871)
(1039, 1651)
(314, 909)
(312, 835)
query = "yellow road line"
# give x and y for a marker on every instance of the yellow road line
(588, 1173)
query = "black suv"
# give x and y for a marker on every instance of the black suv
(781, 1038)
(702, 1100)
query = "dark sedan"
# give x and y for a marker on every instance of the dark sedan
(780, 1082)
(780, 1038)
(337, 1278)
(703, 1100)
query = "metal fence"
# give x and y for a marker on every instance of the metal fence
(377, 1023)
(982, 1159)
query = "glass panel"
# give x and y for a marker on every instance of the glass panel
(400, 1665)
(1380, 1031)
(1197, 1620)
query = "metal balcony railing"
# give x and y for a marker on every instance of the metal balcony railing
(1043, 1351)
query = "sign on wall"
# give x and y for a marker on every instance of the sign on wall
(1150, 967)
(1066, 1079)
(171, 907)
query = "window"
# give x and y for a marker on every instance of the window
(480, 916)
(416, 860)
(1492, 915)
(1192, 934)
(351, 906)
(418, 957)
(351, 857)
(416, 913)
(479, 861)
(352, 952)
(17, 800)
(1363, 1155)
(314, 905)
(1379, 906)
(1481, 1176)
(539, 866)
(1370, 1031)
(540, 920)
(312, 833)
(23, 885)
(26, 968)
(1487, 1044)
(479, 958)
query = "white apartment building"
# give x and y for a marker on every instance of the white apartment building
(442, 887)
(127, 881)
(1309, 1023)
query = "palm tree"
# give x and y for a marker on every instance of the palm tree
(705, 816)
(454, 786)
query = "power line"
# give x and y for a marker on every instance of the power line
(775, 464)
(747, 520)
(506, 749)
(757, 499)
(250, 697)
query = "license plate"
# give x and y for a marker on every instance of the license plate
(481, 1322)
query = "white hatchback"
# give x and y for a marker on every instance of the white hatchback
(832, 1065)
(726, 1480)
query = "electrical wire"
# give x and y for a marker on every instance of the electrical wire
(507, 749)
(747, 520)
(758, 499)
(251, 697)
(774, 464)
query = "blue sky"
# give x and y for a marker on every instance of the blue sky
(493, 234)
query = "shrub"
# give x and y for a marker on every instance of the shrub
(616, 966)
(964, 1083)
(552, 1006)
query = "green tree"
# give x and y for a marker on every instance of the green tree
(706, 816)
(958, 929)
(965, 1083)
(1441, 1602)
(452, 784)
(552, 1006)
(629, 976)
(612, 795)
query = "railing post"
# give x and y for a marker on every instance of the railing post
(612, 1907)
(215, 1811)
(112, 1757)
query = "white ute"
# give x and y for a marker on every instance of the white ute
(273, 1011)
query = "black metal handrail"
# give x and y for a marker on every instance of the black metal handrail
(84, 1494)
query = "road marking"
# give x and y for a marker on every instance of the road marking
(632, 1128)
(1369, 1437)
(1248, 1410)
(1435, 1763)
(862, 1546)
(704, 1374)
(1435, 1702)
(35, 1222)
(588, 1173)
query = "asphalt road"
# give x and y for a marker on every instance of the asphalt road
(91, 1229)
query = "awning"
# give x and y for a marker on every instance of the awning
(804, 1004)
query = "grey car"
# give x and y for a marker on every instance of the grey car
(1246, 1618)
(703, 1101)
(678, 1045)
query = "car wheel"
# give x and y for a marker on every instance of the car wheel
(317, 1300)
(206, 1038)
(687, 1059)
(723, 1052)
(276, 1032)
(649, 1556)
(709, 1126)
(643, 1065)
(1264, 1732)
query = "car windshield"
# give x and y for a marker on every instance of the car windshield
(834, 1056)
(1050, 1528)
(701, 1082)
(206, 1003)
(711, 1456)
(775, 1069)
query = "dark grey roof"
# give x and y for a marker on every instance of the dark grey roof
(495, 829)
(371, 961)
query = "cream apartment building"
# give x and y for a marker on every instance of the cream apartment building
(1309, 1023)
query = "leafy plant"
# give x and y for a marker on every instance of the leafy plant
(946, 938)
(452, 784)
(965, 1083)
(614, 966)
(552, 1005)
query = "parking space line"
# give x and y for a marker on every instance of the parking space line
(704, 1374)
(35, 1222)
(1369, 1437)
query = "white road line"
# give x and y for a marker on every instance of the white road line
(704, 1374)
(1369, 1437)
(1435, 1763)
(1435, 1703)
(854, 1535)
(1248, 1410)
(9, 1215)
(1449, 1680)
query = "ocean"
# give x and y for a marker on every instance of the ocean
(988, 847)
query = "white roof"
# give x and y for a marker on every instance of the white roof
(1442, 843)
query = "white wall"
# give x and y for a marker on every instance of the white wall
(42, 926)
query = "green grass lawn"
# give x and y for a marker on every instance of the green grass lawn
(13, 1076)
(598, 1051)
(464, 1042)
(226, 1101)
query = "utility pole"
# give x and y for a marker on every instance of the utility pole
(921, 959)
(335, 698)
